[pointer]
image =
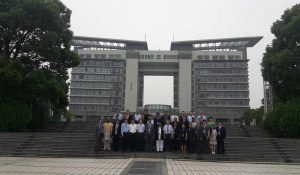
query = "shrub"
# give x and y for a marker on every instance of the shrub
(14, 115)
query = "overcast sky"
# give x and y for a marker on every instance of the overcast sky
(187, 20)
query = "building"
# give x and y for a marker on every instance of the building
(154, 108)
(209, 75)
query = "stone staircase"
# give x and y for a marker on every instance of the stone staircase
(77, 139)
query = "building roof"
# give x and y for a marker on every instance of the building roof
(216, 44)
(108, 44)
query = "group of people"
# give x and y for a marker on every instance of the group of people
(139, 132)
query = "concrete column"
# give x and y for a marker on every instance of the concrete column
(185, 83)
(131, 87)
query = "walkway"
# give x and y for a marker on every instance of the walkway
(84, 166)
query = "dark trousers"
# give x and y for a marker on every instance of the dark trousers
(199, 146)
(98, 142)
(132, 141)
(140, 141)
(149, 143)
(204, 144)
(116, 142)
(175, 144)
(125, 141)
(191, 145)
(167, 142)
(220, 145)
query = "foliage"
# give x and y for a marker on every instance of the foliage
(284, 120)
(14, 115)
(251, 114)
(35, 55)
(281, 61)
(68, 116)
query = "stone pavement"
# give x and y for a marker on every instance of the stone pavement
(87, 166)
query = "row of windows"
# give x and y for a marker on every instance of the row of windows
(97, 77)
(220, 71)
(221, 95)
(221, 79)
(105, 93)
(220, 64)
(96, 85)
(100, 56)
(108, 101)
(159, 66)
(218, 57)
(158, 56)
(222, 87)
(102, 63)
(223, 103)
(96, 108)
(98, 70)
(224, 110)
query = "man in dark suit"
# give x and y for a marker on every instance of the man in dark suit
(221, 135)
(98, 134)
(157, 120)
(204, 142)
(116, 134)
(149, 135)
(199, 134)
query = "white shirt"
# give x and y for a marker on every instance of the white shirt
(189, 118)
(173, 117)
(132, 128)
(168, 129)
(140, 128)
(137, 117)
(159, 133)
(118, 116)
(201, 118)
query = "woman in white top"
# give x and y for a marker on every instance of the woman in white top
(212, 136)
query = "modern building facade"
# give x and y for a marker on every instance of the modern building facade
(209, 75)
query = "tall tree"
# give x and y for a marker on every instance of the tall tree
(35, 54)
(281, 61)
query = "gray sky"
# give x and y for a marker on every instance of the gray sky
(187, 20)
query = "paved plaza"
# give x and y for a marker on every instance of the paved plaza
(87, 166)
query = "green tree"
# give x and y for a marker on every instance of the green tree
(281, 61)
(251, 114)
(35, 54)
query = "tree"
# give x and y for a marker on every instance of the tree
(281, 61)
(35, 54)
(251, 114)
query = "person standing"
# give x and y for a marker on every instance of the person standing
(149, 135)
(204, 142)
(159, 137)
(137, 117)
(176, 134)
(116, 135)
(132, 136)
(140, 136)
(191, 138)
(212, 135)
(157, 120)
(199, 134)
(125, 134)
(221, 135)
(107, 130)
(98, 134)
(168, 130)
(190, 117)
(183, 138)
(174, 117)
(201, 117)
(118, 116)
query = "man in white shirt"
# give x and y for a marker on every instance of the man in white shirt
(201, 117)
(190, 117)
(137, 117)
(140, 136)
(118, 116)
(132, 135)
(174, 117)
(159, 137)
(168, 130)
